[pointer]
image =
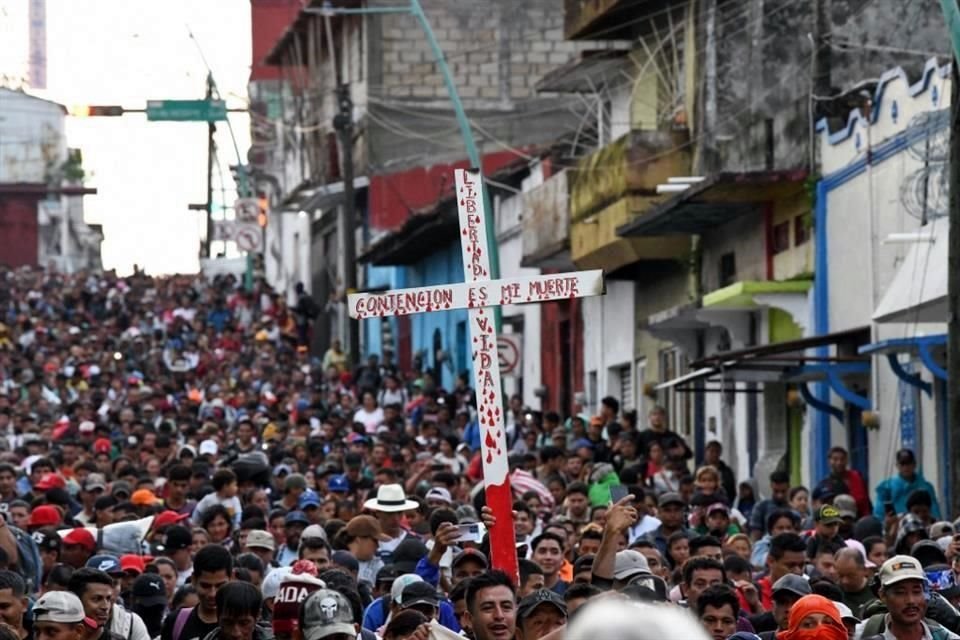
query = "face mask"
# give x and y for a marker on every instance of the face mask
(823, 632)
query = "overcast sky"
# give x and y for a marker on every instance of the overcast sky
(126, 52)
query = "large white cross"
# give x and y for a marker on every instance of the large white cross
(478, 294)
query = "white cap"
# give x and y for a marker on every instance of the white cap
(87, 427)
(271, 583)
(401, 583)
(209, 447)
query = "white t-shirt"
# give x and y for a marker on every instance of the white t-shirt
(370, 419)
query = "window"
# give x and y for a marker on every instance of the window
(728, 269)
(801, 232)
(641, 378)
(679, 405)
(781, 237)
(624, 389)
(592, 398)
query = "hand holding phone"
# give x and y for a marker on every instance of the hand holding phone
(617, 493)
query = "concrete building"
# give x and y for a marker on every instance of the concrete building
(882, 272)
(41, 189)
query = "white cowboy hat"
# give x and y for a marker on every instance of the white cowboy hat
(390, 498)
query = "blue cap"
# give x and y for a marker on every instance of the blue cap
(309, 498)
(106, 563)
(338, 484)
(295, 517)
(582, 443)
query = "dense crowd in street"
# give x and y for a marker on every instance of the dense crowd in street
(174, 463)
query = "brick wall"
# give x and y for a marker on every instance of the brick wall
(497, 50)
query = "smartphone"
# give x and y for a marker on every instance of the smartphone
(472, 532)
(888, 508)
(618, 492)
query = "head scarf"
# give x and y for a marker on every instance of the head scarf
(833, 629)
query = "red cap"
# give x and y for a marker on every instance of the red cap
(81, 537)
(50, 481)
(130, 562)
(102, 445)
(167, 518)
(44, 516)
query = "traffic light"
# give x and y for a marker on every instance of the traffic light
(86, 111)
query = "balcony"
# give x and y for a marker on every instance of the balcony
(615, 185)
(546, 224)
(611, 19)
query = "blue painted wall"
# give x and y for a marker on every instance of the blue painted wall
(441, 267)
(444, 266)
(372, 329)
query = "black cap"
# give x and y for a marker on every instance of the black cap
(148, 590)
(583, 563)
(178, 538)
(408, 553)
(346, 560)
(419, 593)
(527, 605)
(47, 539)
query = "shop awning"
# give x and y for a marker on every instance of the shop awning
(750, 293)
(930, 349)
(918, 291)
(715, 201)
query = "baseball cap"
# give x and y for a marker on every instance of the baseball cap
(846, 505)
(148, 590)
(845, 613)
(629, 563)
(314, 531)
(95, 481)
(325, 613)
(718, 506)
(168, 518)
(80, 537)
(144, 498)
(61, 606)
(209, 448)
(439, 493)
(105, 562)
(670, 498)
(338, 484)
(47, 539)
(132, 562)
(400, 583)
(259, 539)
(292, 589)
(345, 560)
(178, 537)
(87, 427)
(309, 499)
(102, 445)
(419, 593)
(940, 529)
(120, 487)
(44, 516)
(295, 481)
(900, 568)
(470, 554)
(295, 517)
(827, 514)
(529, 603)
(792, 583)
(364, 527)
(50, 481)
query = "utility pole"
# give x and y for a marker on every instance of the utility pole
(951, 15)
(347, 214)
(211, 149)
(953, 286)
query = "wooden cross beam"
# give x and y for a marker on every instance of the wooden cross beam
(478, 294)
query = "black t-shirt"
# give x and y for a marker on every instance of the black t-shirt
(193, 629)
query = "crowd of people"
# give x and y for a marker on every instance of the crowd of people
(175, 464)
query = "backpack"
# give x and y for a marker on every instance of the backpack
(180, 622)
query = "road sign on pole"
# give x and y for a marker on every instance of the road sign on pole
(246, 209)
(186, 110)
(249, 237)
(510, 351)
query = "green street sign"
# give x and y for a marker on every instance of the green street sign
(187, 110)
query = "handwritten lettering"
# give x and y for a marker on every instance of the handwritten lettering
(407, 302)
(562, 287)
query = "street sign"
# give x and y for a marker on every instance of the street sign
(224, 230)
(510, 352)
(186, 110)
(246, 209)
(249, 237)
